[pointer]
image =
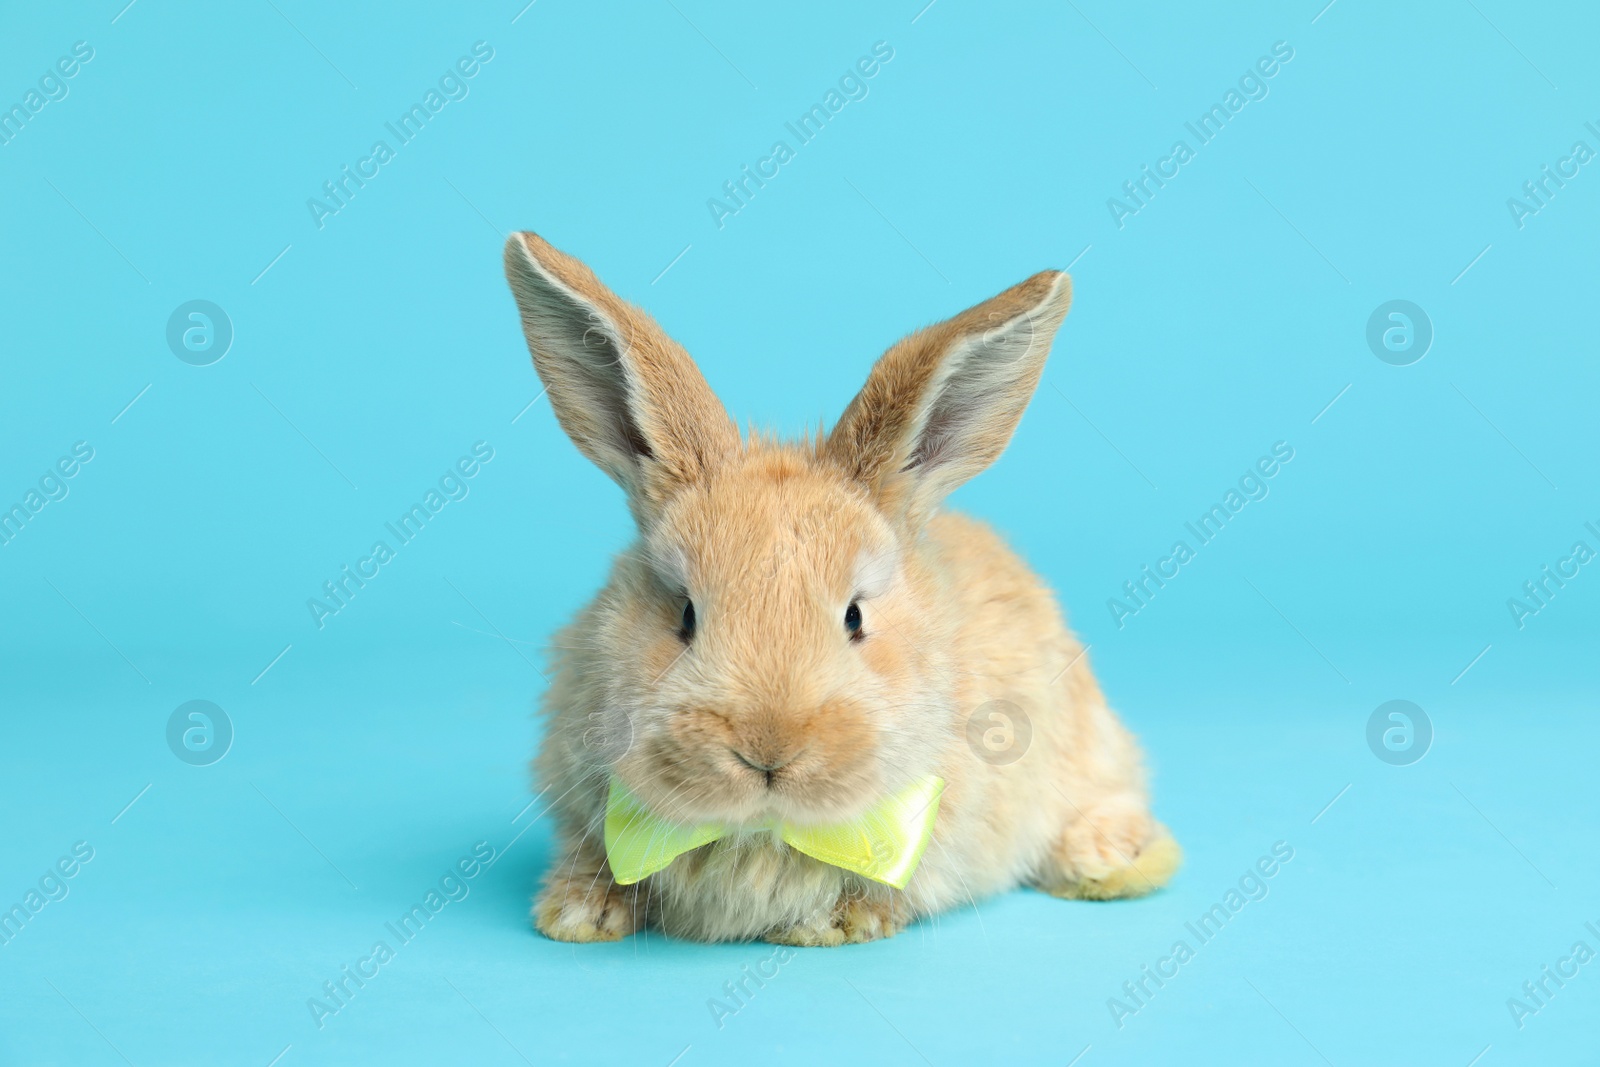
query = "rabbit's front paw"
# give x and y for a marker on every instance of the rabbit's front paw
(1111, 851)
(855, 919)
(587, 908)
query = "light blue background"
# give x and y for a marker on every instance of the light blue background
(372, 353)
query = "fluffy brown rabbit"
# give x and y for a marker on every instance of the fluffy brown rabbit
(799, 632)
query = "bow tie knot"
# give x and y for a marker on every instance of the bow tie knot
(885, 843)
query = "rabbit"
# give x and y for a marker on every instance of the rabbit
(799, 631)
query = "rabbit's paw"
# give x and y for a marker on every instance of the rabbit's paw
(1111, 852)
(587, 908)
(855, 919)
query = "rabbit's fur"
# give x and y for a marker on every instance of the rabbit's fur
(770, 708)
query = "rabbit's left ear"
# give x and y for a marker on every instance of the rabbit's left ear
(942, 404)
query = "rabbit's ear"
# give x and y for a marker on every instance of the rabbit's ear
(628, 395)
(941, 405)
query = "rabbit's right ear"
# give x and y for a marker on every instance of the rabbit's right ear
(628, 395)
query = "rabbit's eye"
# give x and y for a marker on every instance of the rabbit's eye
(852, 621)
(686, 630)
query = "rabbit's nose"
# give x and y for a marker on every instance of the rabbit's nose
(766, 764)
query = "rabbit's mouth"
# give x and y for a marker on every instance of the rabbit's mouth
(781, 784)
(770, 768)
(747, 786)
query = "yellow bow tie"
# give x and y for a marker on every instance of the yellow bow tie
(884, 844)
